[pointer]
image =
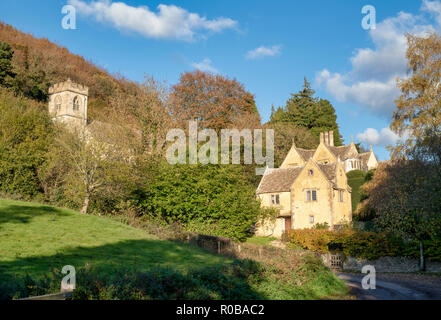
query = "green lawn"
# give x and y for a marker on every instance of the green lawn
(115, 261)
(263, 241)
(355, 180)
(35, 238)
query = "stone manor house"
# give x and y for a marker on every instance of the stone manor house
(311, 186)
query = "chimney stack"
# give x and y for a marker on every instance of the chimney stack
(327, 138)
(331, 138)
(322, 137)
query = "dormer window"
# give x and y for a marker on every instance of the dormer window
(76, 104)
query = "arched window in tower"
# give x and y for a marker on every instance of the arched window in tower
(58, 103)
(76, 104)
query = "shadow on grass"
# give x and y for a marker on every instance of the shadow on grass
(24, 214)
(145, 269)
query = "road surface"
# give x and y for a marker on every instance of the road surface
(395, 287)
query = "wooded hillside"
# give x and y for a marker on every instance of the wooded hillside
(39, 63)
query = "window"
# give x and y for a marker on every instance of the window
(341, 195)
(275, 199)
(311, 172)
(311, 195)
(311, 219)
(76, 104)
(58, 103)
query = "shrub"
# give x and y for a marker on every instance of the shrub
(25, 135)
(432, 249)
(361, 244)
(366, 245)
(227, 282)
(212, 199)
(290, 276)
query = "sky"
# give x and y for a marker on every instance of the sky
(269, 46)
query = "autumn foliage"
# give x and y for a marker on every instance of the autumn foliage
(217, 102)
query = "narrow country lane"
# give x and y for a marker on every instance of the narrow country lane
(395, 287)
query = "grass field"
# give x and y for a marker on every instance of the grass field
(116, 261)
(35, 238)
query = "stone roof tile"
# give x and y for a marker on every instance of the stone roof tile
(278, 180)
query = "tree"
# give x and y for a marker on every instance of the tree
(217, 102)
(25, 136)
(418, 114)
(306, 111)
(405, 197)
(147, 113)
(6, 68)
(360, 148)
(87, 163)
(284, 134)
(209, 199)
(84, 161)
(405, 194)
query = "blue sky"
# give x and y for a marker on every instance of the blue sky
(267, 45)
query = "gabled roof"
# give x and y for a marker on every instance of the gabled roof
(343, 152)
(305, 154)
(281, 180)
(278, 180)
(364, 156)
(329, 170)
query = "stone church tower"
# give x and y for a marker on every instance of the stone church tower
(68, 103)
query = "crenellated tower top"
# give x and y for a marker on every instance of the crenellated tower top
(68, 102)
(68, 85)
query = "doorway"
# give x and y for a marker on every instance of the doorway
(288, 225)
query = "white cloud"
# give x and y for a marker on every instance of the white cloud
(377, 96)
(434, 8)
(169, 22)
(382, 138)
(371, 83)
(263, 51)
(205, 66)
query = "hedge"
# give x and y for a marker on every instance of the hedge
(361, 244)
